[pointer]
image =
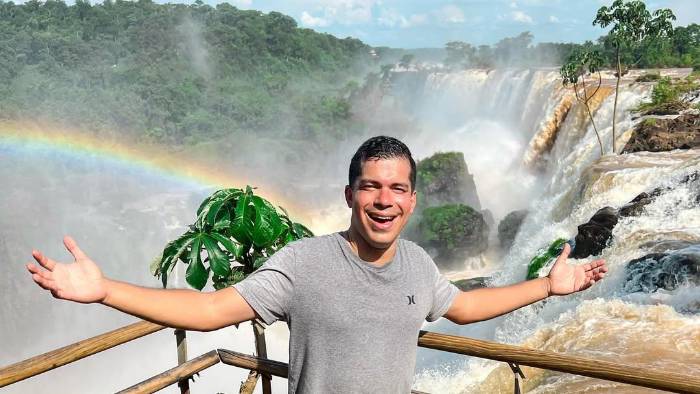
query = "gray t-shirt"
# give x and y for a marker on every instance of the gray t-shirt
(353, 326)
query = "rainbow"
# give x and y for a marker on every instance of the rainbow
(155, 160)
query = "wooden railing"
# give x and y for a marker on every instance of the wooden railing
(645, 377)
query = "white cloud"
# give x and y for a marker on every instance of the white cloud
(346, 12)
(393, 18)
(513, 5)
(553, 19)
(450, 14)
(241, 3)
(520, 16)
(312, 21)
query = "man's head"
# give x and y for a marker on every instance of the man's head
(381, 190)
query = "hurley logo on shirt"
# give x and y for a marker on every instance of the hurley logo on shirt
(411, 300)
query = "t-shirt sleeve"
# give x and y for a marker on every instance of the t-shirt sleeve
(444, 292)
(269, 289)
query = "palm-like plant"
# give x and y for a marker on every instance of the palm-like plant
(234, 234)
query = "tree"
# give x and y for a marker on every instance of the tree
(460, 54)
(631, 24)
(232, 226)
(406, 60)
(578, 64)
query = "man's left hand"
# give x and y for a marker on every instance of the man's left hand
(566, 279)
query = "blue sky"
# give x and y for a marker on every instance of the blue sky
(422, 23)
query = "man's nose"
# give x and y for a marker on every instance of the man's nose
(384, 199)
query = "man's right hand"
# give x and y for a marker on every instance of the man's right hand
(80, 281)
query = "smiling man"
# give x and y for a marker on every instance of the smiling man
(354, 300)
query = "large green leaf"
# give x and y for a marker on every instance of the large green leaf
(242, 223)
(268, 225)
(235, 249)
(217, 207)
(172, 252)
(218, 261)
(196, 274)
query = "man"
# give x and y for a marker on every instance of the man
(354, 301)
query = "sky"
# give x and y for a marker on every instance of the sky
(423, 23)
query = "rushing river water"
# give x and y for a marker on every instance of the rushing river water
(528, 145)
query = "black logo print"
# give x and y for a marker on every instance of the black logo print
(411, 300)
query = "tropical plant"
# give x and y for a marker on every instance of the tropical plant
(234, 234)
(631, 24)
(584, 61)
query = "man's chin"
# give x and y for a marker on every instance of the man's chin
(383, 241)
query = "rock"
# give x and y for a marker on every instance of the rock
(443, 178)
(636, 206)
(663, 270)
(594, 235)
(670, 108)
(471, 283)
(488, 218)
(509, 226)
(455, 230)
(661, 135)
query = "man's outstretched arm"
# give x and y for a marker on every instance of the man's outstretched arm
(82, 281)
(487, 303)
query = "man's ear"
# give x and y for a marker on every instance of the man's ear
(348, 195)
(414, 200)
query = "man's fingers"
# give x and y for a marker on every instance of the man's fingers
(43, 260)
(596, 266)
(565, 252)
(36, 270)
(73, 248)
(44, 283)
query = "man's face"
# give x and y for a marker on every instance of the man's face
(382, 200)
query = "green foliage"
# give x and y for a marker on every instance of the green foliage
(446, 226)
(664, 92)
(441, 164)
(232, 226)
(649, 122)
(581, 61)
(666, 95)
(173, 73)
(544, 257)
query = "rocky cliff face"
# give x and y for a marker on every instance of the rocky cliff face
(660, 135)
(448, 221)
(444, 178)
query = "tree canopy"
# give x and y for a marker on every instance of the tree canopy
(172, 72)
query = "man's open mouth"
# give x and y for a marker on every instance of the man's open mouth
(382, 221)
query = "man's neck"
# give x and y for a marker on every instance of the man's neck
(368, 253)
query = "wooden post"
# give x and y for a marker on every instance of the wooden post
(181, 340)
(261, 350)
(248, 386)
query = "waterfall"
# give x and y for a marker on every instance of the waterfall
(562, 180)
(528, 144)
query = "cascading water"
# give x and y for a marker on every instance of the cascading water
(659, 330)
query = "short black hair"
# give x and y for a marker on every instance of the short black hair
(380, 147)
